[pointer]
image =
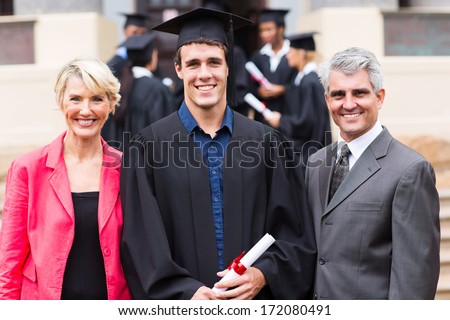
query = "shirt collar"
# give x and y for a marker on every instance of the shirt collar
(310, 67)
(360, 144)
(275, 58)
(267, 49)
(139, 72)
(190, 123)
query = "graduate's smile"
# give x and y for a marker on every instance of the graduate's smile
(204, 72)
(205, 87)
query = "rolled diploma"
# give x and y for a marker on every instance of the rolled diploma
(257, 74)
(249, 258)
(257, 105)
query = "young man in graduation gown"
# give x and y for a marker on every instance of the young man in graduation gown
(271, 60)
(305, 118)
(145, 99)
(205, 183)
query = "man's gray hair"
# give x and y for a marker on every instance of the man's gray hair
(349, 61)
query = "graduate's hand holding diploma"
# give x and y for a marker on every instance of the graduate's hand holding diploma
(272, 117)
(240, 280)
(244, 287)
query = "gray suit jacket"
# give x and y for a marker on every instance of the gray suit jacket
(378, 238)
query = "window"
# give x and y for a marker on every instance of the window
(6, 7)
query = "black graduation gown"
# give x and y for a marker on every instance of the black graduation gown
(116, 64)
(150, 100)
(242, 80)
(168, 247)
(305, 118)
(283, 75)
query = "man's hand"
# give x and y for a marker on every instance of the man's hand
(276, 91)
(273, 119)
(244, 287)
(205, 293)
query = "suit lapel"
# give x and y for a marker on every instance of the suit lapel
(326, 173)
(366, 166)
(363, 169)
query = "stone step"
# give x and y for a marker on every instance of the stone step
(445, 237)
(445, 260)
(443, 287)
(444, 196)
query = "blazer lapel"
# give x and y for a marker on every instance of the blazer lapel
(109, 184)
(61, 186)
(59, 180)
(366, 166)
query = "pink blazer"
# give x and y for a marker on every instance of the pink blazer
(38, 225)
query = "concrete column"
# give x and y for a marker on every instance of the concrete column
(24, 7)
(381, 4)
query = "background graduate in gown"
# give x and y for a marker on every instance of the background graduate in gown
(271, 60)
(205, 183)
(305, 118)
(145, 99)
(135, 25)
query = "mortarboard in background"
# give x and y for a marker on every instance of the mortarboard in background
(136, 19)
(303, 41)
(274, 15)
(203, 23)
(140, 48)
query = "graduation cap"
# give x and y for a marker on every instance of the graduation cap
(140, 48)
(135, 19)
(303, 41)
(216, 5)
(203, 23)
(273, 15)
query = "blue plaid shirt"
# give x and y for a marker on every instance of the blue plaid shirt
(213, 151)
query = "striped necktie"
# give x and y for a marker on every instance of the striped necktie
(340, 170)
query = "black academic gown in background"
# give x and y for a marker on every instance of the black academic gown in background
(117, 64)
(150, 100)
(305, 118)
(168, 247)
(283, 75)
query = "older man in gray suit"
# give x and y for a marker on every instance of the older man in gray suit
(378, 235)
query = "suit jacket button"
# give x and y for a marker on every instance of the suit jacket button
(322, 261)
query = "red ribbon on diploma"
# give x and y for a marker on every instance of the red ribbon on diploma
(237, 266)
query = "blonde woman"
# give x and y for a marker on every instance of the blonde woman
(62, 218)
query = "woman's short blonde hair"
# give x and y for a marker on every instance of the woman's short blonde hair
(96, 75)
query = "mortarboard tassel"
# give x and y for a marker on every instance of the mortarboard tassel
(231, 87)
